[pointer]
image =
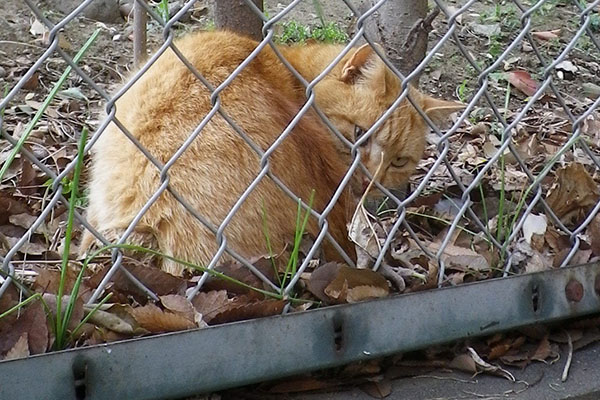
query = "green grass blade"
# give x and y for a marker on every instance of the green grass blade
(45, 105)
(63, 320)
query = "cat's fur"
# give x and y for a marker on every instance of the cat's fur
(167, 104)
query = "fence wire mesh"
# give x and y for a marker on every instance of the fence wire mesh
(511, 186)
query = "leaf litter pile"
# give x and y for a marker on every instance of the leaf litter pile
(570, 191)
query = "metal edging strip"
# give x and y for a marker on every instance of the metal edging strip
(185, 363)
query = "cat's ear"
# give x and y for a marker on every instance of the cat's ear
(357, 62)
(439, 110)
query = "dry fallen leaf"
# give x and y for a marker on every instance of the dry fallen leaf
(339, 283)
(243, 308)
(178, 305)
(211, 303)
(489, 368)
(155, 320)
(593, 232)
(546, 35)
(31, 321)
(160, 282)
(77, 314)
(522, 81)
(461, 258)
(378, 389)
(20, 349)
(573, 193)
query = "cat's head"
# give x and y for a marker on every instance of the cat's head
(357, 93)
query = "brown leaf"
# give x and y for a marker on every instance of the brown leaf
(242, 309)
(461, 258)
(543, 351)
(32, 321)
(48, 280)
(546, 35)
(118, 318)
(160, 282)
(236, 270)
(593, 232)
(28, 175)
(20, 349)
(9, 299)
(500, 349)
(178, 305)
(365, 292)
(211, 303)
(155, 320)
(522, 81)
(379, 389)
(111, 321)
(320, 278)
(77, 313)
(10, 206)
(573, 193)
(348, 284)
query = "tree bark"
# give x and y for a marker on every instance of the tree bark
(402, 28)
(237, 16)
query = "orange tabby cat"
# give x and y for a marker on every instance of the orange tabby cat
(167, 104)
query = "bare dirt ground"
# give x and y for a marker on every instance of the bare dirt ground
(484, 31)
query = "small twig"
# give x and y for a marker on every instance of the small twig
(20, 44)
(565, 373)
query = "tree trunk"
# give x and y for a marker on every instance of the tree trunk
(401, 27)
(237, 16)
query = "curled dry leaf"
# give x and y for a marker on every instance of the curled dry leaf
(486, 367)
(243, 308)
(546, 35)
(20, 349)
(112, 322)
(461, 258)
(76, 316)
(33, 322)
(573, 193)
(593, 232)
(48, 280)
(160, 282)
(178, 305)
(339, 283)
(211, 303)
(236, 270)
(544, 351)
(155, 320)
(117, 318)
(378, 389)
(522, 81)
(499, 349)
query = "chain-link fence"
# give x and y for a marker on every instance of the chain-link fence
(510, 187)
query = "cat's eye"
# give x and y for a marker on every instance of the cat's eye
(400, 162)
(358, 132)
